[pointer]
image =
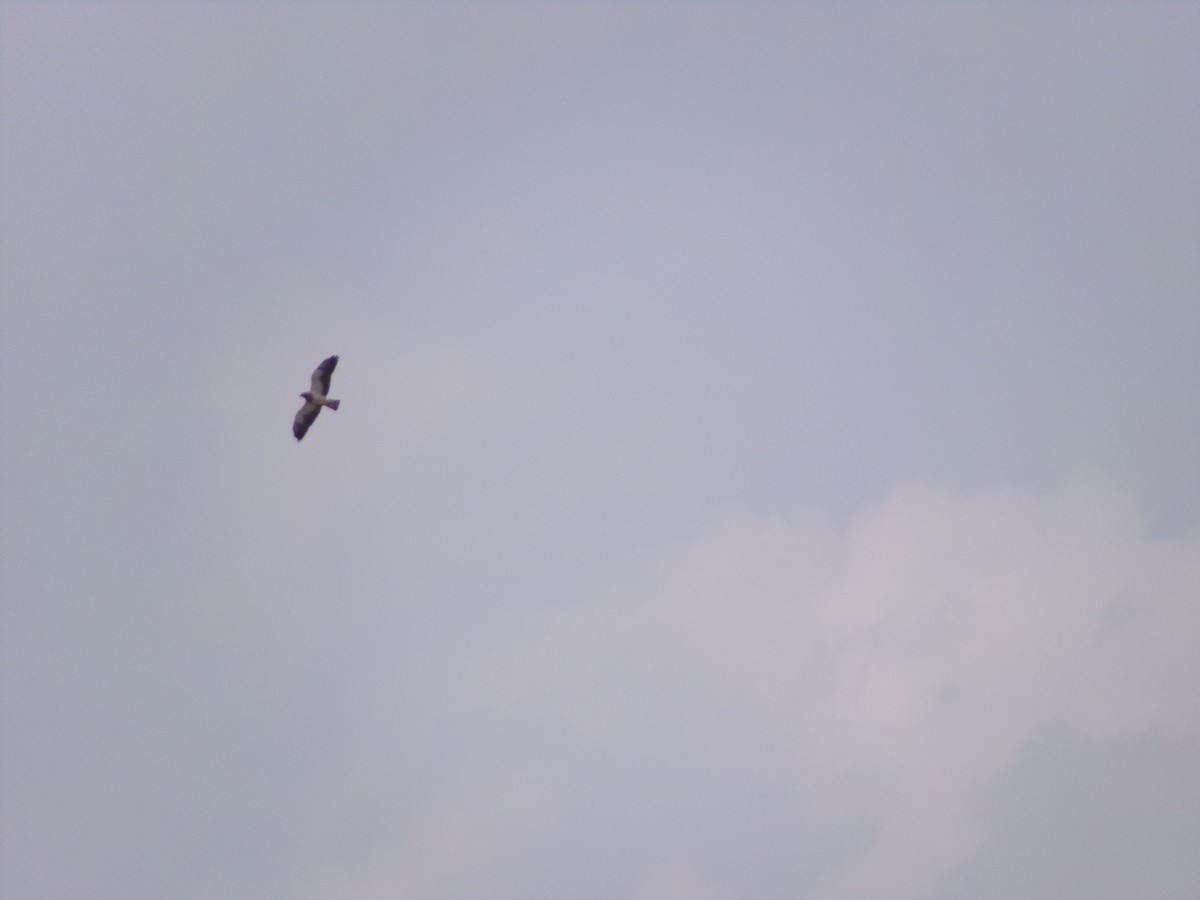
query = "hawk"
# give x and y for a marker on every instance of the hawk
(316, 398)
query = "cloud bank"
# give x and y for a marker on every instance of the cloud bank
(786, 708)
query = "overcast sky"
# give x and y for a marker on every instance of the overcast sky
(768, 464)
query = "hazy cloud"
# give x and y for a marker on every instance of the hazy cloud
(785, 709)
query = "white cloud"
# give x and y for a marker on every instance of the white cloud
(885, 672)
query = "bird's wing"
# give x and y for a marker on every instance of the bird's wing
(307, 415)
(321, 376)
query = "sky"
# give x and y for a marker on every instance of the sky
(766, 467)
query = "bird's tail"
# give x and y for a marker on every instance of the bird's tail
(333, 404)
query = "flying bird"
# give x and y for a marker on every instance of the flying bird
(316, 398)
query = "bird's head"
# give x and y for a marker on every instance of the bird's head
(307, 395)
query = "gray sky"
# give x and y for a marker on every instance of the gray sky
(767, 464)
